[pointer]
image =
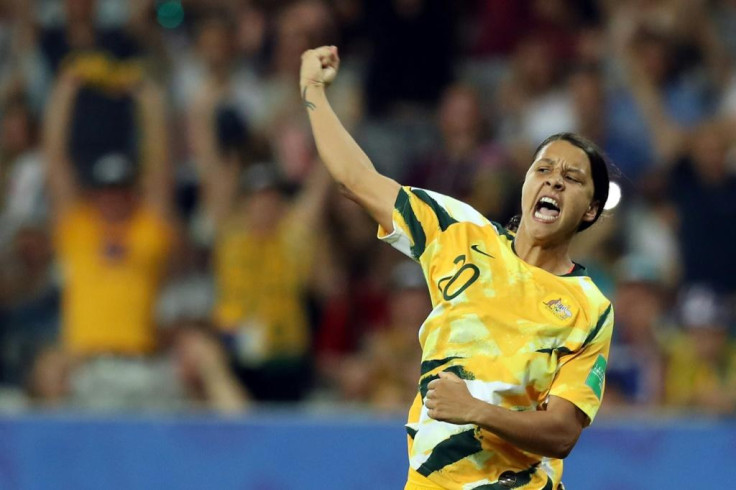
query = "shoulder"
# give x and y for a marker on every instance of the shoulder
(593, 292)
(448, 210)
(598, 302)
(600, 310)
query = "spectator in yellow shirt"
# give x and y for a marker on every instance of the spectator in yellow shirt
(112, 241)
(701, 367)
(264, 245)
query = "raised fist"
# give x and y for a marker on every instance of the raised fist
(319, 66)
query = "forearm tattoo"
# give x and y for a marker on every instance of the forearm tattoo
(307, 104)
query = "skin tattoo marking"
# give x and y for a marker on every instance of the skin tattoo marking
(307, 104)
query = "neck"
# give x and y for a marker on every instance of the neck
(553, 257)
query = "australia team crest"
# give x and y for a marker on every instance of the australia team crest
(559, 308)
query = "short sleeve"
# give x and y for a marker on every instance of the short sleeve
(581, 377)
(421, 216)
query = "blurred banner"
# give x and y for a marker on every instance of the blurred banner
(281, 452)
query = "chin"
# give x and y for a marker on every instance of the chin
(549, 232)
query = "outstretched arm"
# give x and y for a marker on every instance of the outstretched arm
(218, 173)
(158, 184)
(62, 181)
(552, 432)
(309, 206)
(344, 159)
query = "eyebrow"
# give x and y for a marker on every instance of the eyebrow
(552, 162)
(576, 170)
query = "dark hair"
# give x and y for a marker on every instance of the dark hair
(598, 170)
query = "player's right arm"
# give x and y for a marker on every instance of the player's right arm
(344, 159)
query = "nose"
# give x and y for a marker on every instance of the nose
(555, 181)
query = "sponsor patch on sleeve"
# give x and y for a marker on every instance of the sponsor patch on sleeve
(597, 375)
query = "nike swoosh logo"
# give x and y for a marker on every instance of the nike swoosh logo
(475, 247)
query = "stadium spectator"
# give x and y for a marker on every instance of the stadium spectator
(193, 375)
(21, 169)
(264, 246)
(113, 239)
(670, 68)
(702, 187)
(297, 26)
(701, 367)
(635, 373)
(203, 371)
(29, 300)
(106, 61)
(353, 279)
(587, 86)
(465, 163)
(214, 60)
(532, 102)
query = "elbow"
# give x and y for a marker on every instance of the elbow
(561, 451)
(563, 447)
(354, 188)
(346, 192)
(350, 182)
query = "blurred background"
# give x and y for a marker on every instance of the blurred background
(186, 301)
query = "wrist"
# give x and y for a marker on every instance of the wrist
(310, 85)
(312, 91)
(483, 414)
(476, 411)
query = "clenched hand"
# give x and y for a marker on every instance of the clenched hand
(319, 66)
(449, 400)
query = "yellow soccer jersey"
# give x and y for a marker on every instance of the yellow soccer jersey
(112, 275)
(514, 332)
(261, 281)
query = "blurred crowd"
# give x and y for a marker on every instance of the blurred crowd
(170, 241)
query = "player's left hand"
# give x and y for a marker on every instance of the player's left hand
(449, 400)
(319, 66)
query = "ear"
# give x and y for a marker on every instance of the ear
(591, 212)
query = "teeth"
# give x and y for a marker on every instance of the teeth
(544, 217)
(550, 201)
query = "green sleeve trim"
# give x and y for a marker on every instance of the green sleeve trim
(443, 217)
(403, 206)
(503, 231)
(598, 326)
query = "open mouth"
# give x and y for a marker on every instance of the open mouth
(547, 210)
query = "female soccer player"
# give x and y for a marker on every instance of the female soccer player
(514, 352)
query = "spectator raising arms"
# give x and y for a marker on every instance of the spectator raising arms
(112, 241)
(264, 248)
